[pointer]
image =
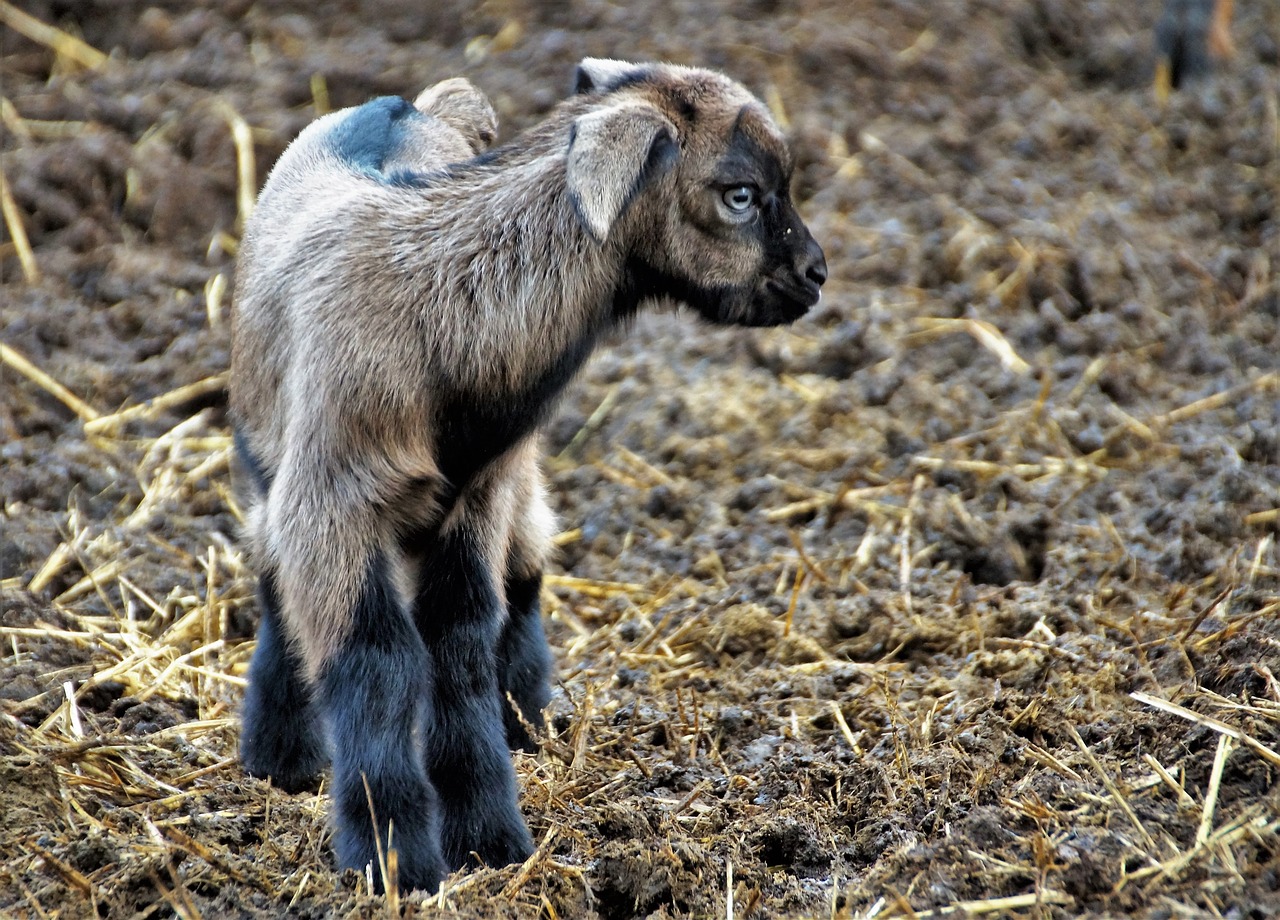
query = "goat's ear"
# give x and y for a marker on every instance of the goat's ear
(594, 75)
(614, 154)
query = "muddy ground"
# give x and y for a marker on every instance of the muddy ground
(961, 594)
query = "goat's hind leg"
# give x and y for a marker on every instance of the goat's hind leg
(459, 615)
(341, 597)
(280, 738)
(375, 693)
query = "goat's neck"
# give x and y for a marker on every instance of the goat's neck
(507, 233)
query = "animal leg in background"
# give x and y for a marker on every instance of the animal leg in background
(524, 662)
(524, 659)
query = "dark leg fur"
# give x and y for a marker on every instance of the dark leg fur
(375, 695)
(258, 476)
(524, 662)
(280, 737)
(466, 745)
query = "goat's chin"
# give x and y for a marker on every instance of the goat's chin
(771, 306)
(778, 309)
(776, 316)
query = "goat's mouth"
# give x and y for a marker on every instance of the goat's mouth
(767, 309)
(771, 303)
(804, 294)
(783, 302)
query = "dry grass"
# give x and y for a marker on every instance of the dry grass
(816, 658)
(140, 794)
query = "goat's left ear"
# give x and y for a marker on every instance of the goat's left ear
(614, 153)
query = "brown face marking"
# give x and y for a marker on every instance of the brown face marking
(756, 126)
(751, 159)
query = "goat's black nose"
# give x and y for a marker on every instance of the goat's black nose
(813, 264)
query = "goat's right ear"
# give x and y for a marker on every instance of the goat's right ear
(613, 154)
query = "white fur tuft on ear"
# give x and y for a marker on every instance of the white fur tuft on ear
(593, 75)
(613, 154)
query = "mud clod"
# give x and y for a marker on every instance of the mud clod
(961, 595)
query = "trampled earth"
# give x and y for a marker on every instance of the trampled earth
(961, 594)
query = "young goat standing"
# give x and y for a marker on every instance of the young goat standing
(404, 323)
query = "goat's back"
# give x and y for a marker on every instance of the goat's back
(294, 244)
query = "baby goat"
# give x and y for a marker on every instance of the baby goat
(407, 315)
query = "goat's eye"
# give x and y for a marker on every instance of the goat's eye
(740, 198)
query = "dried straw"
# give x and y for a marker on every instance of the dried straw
(153, 408)
(1118, 796)
(1215, 784)
(37, 129)
(65, 45)
(18, 232)
(1211, 723)
(1216, 401)
(990, 905)
(20, 363)
(983, 332)
(246, 166)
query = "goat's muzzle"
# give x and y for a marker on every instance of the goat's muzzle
(791, 291)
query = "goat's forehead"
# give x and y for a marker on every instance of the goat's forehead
(713, 102)
(750, 150)
(707, 94)
(755, 123)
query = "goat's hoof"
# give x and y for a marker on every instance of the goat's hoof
(418, 865)
(291, 770)
(502, 848)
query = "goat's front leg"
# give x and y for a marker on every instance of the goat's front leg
(459, 614)
(524, 659)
